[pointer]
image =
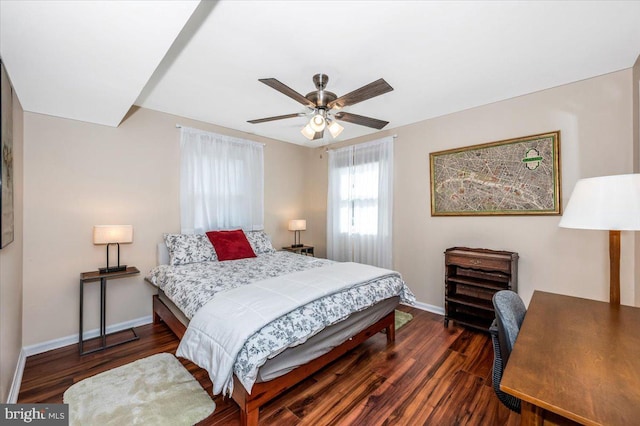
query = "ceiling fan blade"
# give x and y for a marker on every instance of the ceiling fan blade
(318, 135)
(277, 117)
(361, 120)
(369, 91)
(286, 90)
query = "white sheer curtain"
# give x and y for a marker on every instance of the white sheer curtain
(360, 203)
(221, 182)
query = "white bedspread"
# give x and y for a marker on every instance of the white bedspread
(218, 331)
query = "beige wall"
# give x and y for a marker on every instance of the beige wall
(636, 161)
(78, 175)
(315, 200)
(11, 270)
(595, 120)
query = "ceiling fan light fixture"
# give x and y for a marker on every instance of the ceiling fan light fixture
(317, 123)
(335, 128)
(308, 132)
(321, 104)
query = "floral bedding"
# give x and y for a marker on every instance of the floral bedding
(308, 320)
(191, 286)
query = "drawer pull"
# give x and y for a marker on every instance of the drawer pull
(476, 261)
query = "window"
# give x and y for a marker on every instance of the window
(221, 182)
(360, 201)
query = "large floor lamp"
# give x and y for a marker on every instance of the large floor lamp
(609, 203)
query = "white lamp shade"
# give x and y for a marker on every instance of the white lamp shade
(297, 225)
(308, 132)
(110, 234)
(317, 123)
(608, 203)
(335, 128)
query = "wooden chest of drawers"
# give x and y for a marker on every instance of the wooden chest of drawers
(472, 277)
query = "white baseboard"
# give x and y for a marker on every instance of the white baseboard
(39, 348)
(12, 398)
(429, 308)
(59, 343)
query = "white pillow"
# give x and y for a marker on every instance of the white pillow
(260, 242)
(162, 254)
(189, 248)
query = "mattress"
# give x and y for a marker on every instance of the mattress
(191, 286)
(317, 345)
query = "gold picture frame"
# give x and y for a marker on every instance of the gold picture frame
(6, 159)
(519, 176)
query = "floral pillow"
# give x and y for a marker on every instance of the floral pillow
(189, 248)
(260, 242)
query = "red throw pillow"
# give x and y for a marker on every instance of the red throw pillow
(231, 245)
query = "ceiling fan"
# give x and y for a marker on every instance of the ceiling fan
(323, 103)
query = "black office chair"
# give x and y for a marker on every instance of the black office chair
(510, 312)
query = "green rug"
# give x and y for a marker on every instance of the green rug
(156, 390)
(402, 318)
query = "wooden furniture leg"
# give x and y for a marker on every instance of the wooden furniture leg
(249, 418)
(530, 415)
(614, 267)
(391, 330)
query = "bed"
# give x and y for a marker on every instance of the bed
(261, 324)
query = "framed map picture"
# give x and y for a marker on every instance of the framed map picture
(6, 159)
(511, 177)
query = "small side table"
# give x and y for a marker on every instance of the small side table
(307, 250)
(93, 276)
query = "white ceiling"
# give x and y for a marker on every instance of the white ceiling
(93, 60)
(86, 60)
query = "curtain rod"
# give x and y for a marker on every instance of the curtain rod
(327, 149)
(179, 126)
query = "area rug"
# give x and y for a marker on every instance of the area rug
(157, 390)
(402, 318)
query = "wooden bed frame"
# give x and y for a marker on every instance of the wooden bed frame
(261, 393)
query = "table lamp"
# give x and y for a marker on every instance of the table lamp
(609, 203)
(297, 225)
(109, 235)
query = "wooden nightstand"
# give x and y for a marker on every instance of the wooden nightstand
(88, 277)
(306, 250)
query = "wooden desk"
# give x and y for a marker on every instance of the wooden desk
(577, 358)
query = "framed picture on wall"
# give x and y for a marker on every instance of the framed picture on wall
(6, 162)
(518, 176)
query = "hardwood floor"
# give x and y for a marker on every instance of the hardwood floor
(432, 375)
